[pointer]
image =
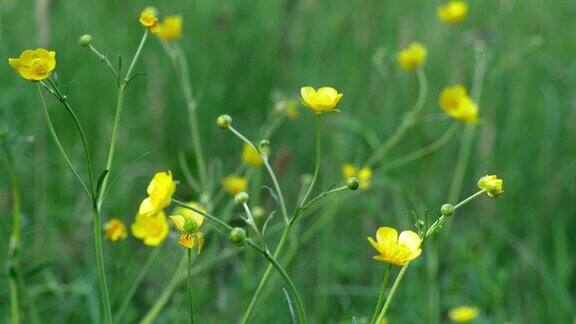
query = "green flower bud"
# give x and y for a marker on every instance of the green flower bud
(264, 147)
(223, 121)
(85, 40)
(238, 236)
(352, 183)
(241, 198)
(447, 210)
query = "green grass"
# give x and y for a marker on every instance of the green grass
(513, 256)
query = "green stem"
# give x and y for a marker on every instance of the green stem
(407, 122)
(318, 158)
(59, 144)
(105, 60)
(14, 245)
(189, 276)
(135, 284)
(392, 293)
(382, 292)
(117, 116)
(440, 221)
(205, 214)
(105, 298)
(286, 277)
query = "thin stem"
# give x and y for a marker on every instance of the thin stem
(322, 195)
(87, 157)
(190, 296)
(286, 277)
(59, 144)
(14, 245)
(382, 292)
(392, 293)
(270, 172)
(318, 158)
(104, 59)
(117, 116)
(135, 284)
(97, 227)
(440, 221)
(407, 122)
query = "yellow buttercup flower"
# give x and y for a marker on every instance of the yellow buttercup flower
(251, 156)
(160, 191)
(115, 230)
(187, 223)
(456, 103)
(322, 100)
(394, 249)
(234, 184)
(463, 314)
(169, 29)
(493, 186)
(152, 229)
(149, 17)
(452, 12)
(363, 175)
(34, 65)
(412, 57)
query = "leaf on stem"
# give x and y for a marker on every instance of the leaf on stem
(290, 305)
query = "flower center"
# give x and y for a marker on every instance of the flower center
(190, 227)
(39, 66)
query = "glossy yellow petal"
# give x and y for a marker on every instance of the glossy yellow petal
(178, 221)
(463, 314)
(378, 247)
(147, 207)
(186, 241)
(308, 96)
(386, 236)
(410, 239)
(15, 63)
(250, 156)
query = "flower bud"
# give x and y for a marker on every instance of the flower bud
(223, 121)
(241, 198)
(447, 210)
(264, 147)
(85, 40)
(352, 183)
(238, 235)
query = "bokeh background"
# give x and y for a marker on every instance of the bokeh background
(513, 257)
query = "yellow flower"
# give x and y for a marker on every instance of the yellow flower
(234, 184)
(115, 230)
(322, 100)
(412, 57)
(149, 17)
(251, 156)
(493, 186)
(394, 249)
(160, 191)
(463, 314)
(187, 223)
(169, 29)
(456, 103)
(34, 65)
(152, 229)
(452, 12)
(363, 175)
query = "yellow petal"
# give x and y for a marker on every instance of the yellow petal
(386, 236)
(328, 92)
(15, 63)
(409, 239)
(147, 207)
(348, 170)
(308, 96)
(377, 246)
(186, 241)
(178, 221)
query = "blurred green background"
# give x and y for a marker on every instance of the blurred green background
(513, 257)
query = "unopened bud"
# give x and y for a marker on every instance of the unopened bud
(447, 210)
(352, 183)
(223, 121)
(85, 40)
(241, 198)
(264, 147)
(238, 236)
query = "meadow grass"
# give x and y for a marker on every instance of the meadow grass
(512, 257)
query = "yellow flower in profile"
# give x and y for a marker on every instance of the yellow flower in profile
(187, 223)
(152, 229)
(169, 29)
(34, 65)
(394, 249)
(149, 17)
(115, 230)
(251, 156)
(322, 100)
(452, 12)
(234, 184)
(493, 186)
(456, 103)
(160, 191)
(463, 314)
(412, 57)
(363, 175)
